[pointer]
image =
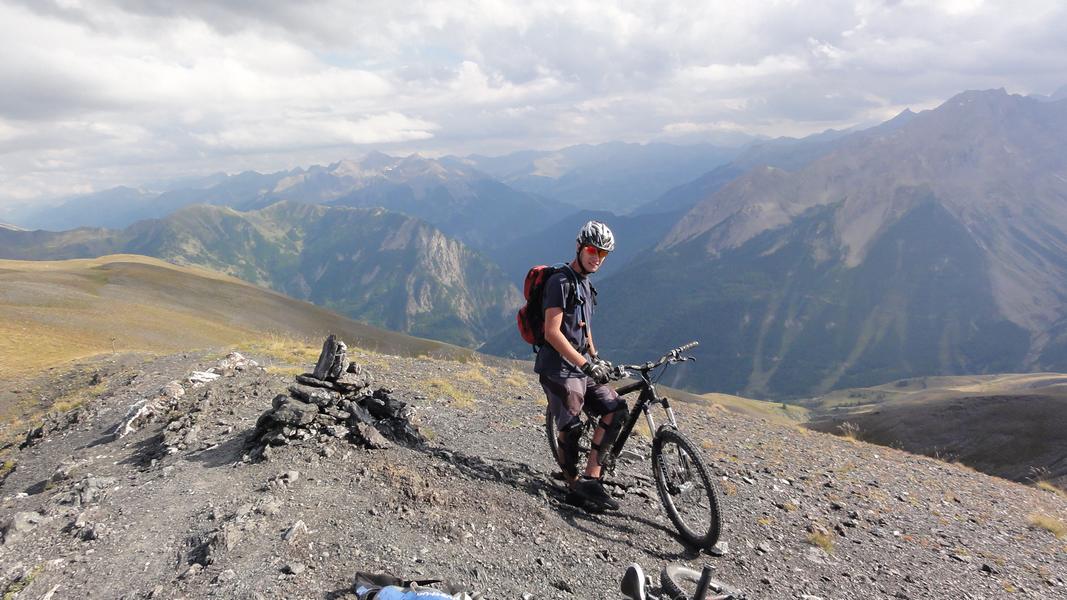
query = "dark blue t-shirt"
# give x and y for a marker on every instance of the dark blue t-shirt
(579, 308)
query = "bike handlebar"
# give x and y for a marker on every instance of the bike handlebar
(688, 346)
(672, 356)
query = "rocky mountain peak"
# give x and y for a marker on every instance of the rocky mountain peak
(977, 184)
(377, 160)
(967, 153)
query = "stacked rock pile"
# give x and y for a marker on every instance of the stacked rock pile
(335, 401)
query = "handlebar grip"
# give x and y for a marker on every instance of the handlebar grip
(688, 346)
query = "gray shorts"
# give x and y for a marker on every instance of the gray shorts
(569, 396)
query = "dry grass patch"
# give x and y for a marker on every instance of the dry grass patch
(78, 397)
(821, 540)
(474, 374)
(286, 349)
(515, 380)
(459, 398)
(1050, 487)
(1048, 523)
(850, 431)
(285, 371)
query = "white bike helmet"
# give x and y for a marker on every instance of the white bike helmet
(598, 235)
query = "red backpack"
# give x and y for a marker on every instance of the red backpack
(531, 317)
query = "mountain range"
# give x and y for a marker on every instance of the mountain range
(936, 244)
(613, 177)
(375, 265)
(457, 199)
(473, 198)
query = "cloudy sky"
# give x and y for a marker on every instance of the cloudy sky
(107, 92)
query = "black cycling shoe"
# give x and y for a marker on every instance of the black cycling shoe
(593, 492)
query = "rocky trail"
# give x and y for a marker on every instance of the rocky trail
(187, 504)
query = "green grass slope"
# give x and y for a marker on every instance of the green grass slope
(55, 312)
(1012, 426)
(373, 265)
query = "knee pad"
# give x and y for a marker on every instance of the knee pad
(569, 449)
(611, 430)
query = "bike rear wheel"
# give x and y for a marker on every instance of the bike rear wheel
(685, 488)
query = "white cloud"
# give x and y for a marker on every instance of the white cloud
(118, 91)
(309, 131)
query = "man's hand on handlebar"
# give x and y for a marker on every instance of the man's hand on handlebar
(597, 370)
(606, 363)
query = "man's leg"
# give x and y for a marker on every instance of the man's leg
(592, 466)
(565, 399)
(601, 399)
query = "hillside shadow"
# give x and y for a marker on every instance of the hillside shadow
(144, 451)
(37, 488)
(224, 454)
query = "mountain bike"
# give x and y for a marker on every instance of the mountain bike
(682, 479)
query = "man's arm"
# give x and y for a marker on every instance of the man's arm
(556, 339)
(589, 340)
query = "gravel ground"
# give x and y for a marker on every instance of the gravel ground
(806, 514)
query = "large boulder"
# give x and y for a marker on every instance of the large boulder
(318, 396)
(309, 379)
(294, 412)
(332, 360)
(18, 525)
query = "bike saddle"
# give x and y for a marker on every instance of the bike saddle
(633, 583)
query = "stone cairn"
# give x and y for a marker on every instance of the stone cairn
(334, 401)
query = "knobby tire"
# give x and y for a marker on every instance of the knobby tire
(676, 461)
(680, 582)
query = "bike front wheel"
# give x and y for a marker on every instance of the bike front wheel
(685, 488)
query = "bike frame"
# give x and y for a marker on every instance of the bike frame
(645, 400)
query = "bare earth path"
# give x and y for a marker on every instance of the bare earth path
(806, 514)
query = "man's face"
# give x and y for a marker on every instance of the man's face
(591, 258)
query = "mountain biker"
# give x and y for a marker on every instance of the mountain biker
(573, 376)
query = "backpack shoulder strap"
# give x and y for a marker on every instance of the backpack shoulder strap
(572, 279)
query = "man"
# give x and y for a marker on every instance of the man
(573, 376)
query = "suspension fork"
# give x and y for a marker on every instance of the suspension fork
(667, 409)
(648, 397)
